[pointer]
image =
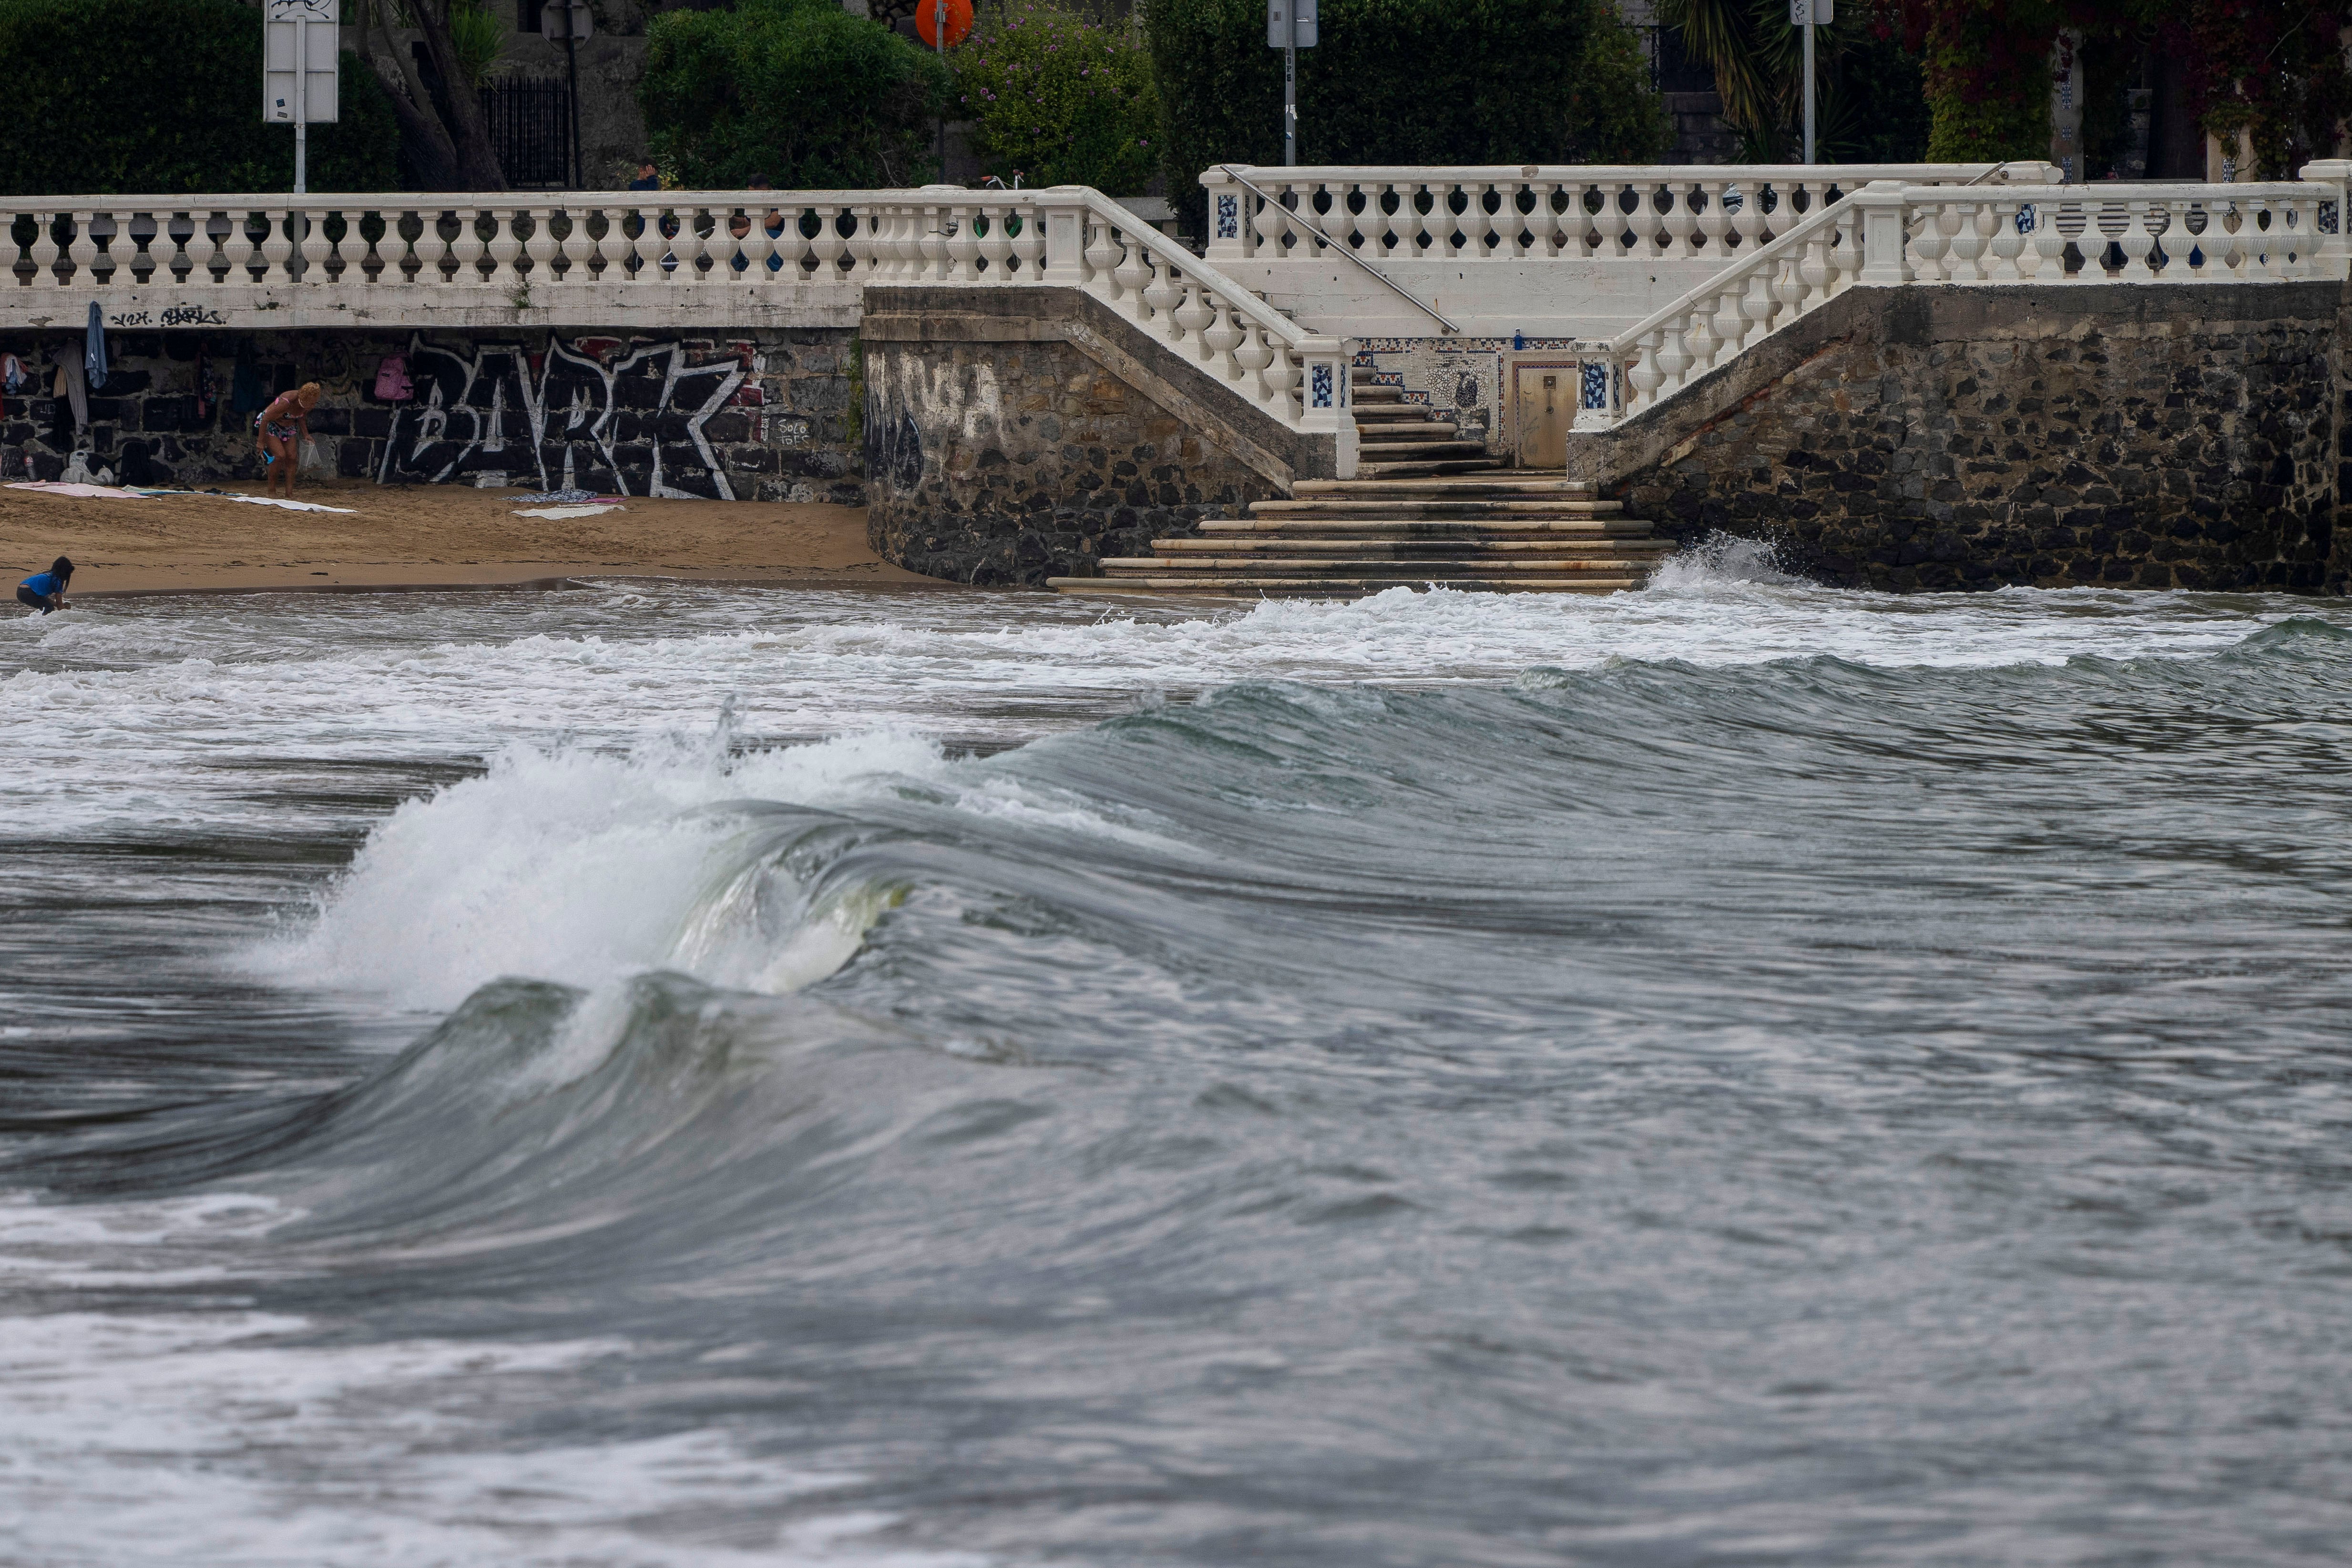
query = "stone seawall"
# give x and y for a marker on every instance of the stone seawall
(2139, 435)
(749, 415)
(1017, 434)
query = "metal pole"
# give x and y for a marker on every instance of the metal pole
(302, 108)
(1808, 81)
(572, 55)
(1290, 95)
(940, 48)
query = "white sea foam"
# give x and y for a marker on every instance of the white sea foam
(222, 1438)
(582, 867)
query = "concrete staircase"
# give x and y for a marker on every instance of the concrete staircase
(1427, 508)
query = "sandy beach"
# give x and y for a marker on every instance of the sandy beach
(423, 537)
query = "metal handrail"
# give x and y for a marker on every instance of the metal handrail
(1301, 219)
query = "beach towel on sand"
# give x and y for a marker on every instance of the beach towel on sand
(94, 491)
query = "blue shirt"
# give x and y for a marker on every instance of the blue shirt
(44, 584)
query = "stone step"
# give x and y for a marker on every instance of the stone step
(1389, 414)
(1412, 527)
(1563, 546)
(1325, 588)
(1436, 511)
(1437, 567)
(1522, 484)
(1419, 441)
(1423, 468)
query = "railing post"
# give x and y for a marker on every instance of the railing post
(1883, 205)
(1228, 217)
(1063, 209)
(2333, 254)
(1323, 395)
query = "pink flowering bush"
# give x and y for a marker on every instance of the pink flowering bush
(1058, 100)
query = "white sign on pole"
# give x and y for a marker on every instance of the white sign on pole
(300, 30)
(575, 21)
(1283, 15)
(1820, 13)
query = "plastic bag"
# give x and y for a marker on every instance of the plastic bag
(310, 456)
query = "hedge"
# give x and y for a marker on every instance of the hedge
(797, 91)
(1405, 81)
(163, 97)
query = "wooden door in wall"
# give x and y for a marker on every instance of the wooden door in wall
(1545, 396)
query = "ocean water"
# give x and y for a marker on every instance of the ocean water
(1735, 1073)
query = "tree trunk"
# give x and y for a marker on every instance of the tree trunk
(431, 158)
(478, 161)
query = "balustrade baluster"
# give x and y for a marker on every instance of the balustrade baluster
(722, 247)
(1219, 335)
(996, 246)
(829, 246)
(1412, 223)
(1251, 358)
(2138, 241)
(1161, 292)
(540, 248)
(1029, 245)
(467, 247)
(1477, 222)
(276, 247)
(1646, 374)
(316, 247)
(1101, 253)
(579, 246)
(1267, 223)
(1699, 337)
(83, 250)
(1967, 243)
(1134, 271)
(2224, 252)
(1680, 219)
(180, 266)
(1289, 372)
(2301, 237)
(236, 247)
(1384, 225)
(963, 246)
(1747, 222)
(2016, 241)
(1643, 221)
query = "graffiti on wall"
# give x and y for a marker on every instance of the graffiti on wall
(564, 414)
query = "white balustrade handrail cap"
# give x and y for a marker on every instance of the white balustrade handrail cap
(2123, 190)
(1586, 174)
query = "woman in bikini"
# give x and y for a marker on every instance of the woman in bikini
(274, 429)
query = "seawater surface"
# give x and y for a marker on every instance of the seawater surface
(1736, 1073)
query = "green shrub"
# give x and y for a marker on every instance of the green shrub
(163, 97)
(1059, 100)
(798, 90)
(1405, 81)
(480, 36)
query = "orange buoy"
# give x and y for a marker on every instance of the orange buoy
(927, 20)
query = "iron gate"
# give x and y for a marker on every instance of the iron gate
(530, 121)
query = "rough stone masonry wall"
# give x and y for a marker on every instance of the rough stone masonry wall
(1017, 434)
(2141, 435)
(750, 415)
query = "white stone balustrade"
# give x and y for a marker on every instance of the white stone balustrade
(1069, 236)
(1892, 234)
(1548, 250)
(2273, 233)
(629, 259)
